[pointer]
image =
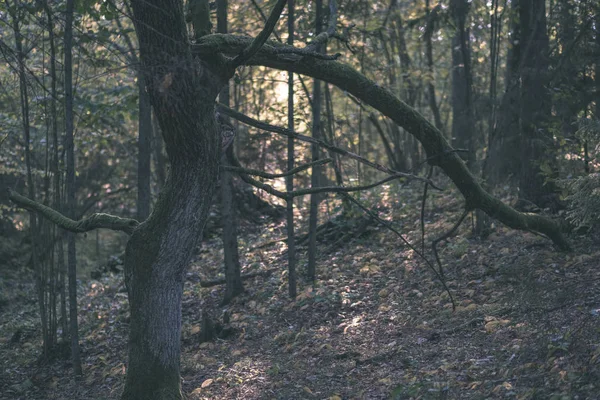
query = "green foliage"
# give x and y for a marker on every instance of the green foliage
(584, 200)
(583, 193)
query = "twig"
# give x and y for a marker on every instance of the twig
(423, 210)
(267, 175)
(391, 228)
(303, 192)
(445, 236)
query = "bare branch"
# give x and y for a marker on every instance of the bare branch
(267, 175)
(262, 37)
(286, 132)
(341, 189)
(94, 221)
(251, 181)
(323, 37)
(303, 192)
(413, 248)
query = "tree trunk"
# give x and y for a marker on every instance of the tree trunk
(503, 159)
(537, 147)
(431, 19)
(155, 261)
(463, 123)
(289, 180)
(70, 183)
(182, 92)
(314, 176)
(231, 258)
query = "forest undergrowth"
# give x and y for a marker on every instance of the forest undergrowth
(376, 325)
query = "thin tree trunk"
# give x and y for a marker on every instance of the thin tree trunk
(463, 122)
(337, 168)
(289, 181)
(431, 96)
(537, 147)
(503, 159)
(314, 177)
(71, 202)
(234, 285)
(37, 267)
(597, 72)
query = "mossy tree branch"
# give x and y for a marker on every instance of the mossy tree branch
(94, 221)
(438, 150)
(249, 51)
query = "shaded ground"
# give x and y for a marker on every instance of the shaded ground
(376, 326)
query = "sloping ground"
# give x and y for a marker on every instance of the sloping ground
(376, 326)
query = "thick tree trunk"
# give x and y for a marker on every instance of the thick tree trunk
(155, 261)
(182, 91)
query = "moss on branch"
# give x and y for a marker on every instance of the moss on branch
(94, 221)
(439, 152)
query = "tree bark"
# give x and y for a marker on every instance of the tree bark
(144, 151)
(182, 92)
(70, 183)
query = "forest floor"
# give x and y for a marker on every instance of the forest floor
(376, 325)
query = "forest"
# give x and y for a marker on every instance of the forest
(299, 199)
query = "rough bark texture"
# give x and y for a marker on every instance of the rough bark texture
(438, 149)
(144, 152)
(182, 91)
